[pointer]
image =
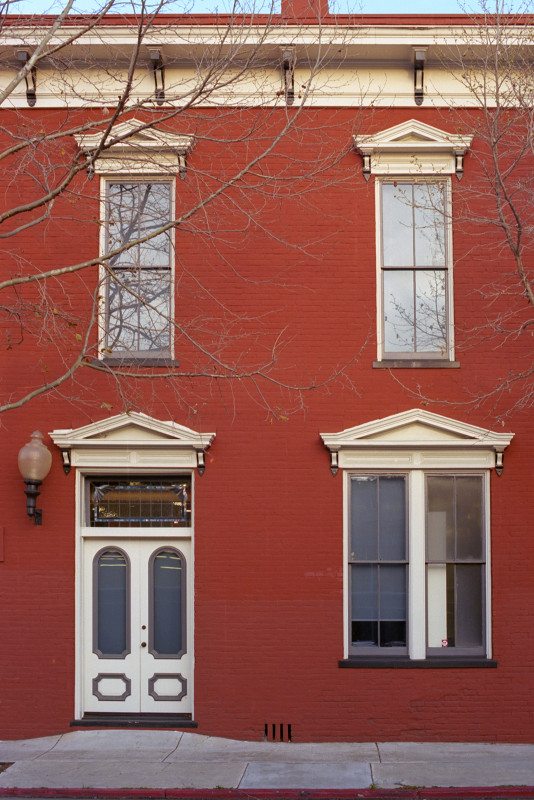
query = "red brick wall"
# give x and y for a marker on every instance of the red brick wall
(269, 535)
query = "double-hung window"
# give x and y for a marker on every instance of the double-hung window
(138, 280)
(448, 530)
(413, 164)
(417, 539)
(137, 162)
(415, 269)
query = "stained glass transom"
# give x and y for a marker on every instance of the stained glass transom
(140, 502)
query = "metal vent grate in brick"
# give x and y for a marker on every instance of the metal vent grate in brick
(274, 732)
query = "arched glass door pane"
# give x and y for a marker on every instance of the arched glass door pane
(167, 596)
(111, 618)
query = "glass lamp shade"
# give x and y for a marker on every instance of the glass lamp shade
(35, 459)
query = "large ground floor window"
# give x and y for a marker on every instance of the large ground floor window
(418, 559)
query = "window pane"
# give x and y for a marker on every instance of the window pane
(364, 519)
(429, 215)
(469, 517)
(392, 520)
(397, 225)
(139, 292)
(392, 605)
(364, 591)
(437, 605)
(142, 502)
(440, 519)
(167, 578)
(111, 580)
(430, 316)
(469, 605)
(154, 207)
(399, 311)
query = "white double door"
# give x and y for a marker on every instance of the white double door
(137, 626)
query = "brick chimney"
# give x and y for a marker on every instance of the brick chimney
(308, 10)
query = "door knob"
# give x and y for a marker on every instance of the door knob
(143, 644)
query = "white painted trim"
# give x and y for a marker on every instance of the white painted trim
(438, 434)
(412, 148)
(346, 576)
(137, 150)
(487, 523)
(417, 566)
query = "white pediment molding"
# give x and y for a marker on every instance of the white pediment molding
(412, 148)
(133, 440)
(132, 148)
(416, 439)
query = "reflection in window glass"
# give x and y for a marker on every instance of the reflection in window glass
(414, 258)
(140, 502)
(455, 561)
(378, 561)
(111, 603)
(139, 290)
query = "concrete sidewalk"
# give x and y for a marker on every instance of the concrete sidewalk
(115, 760)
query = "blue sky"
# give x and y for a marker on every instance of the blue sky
(365, 6)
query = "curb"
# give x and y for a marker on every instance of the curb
(456, 793)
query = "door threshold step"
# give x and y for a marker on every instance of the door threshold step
(95, 720)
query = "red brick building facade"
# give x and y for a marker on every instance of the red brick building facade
(336, 297)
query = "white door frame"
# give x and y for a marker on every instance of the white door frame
(171, 536)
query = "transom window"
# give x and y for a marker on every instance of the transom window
(414, 269)
(140, 502)
(138, 311)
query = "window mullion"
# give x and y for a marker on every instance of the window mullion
(416, 574)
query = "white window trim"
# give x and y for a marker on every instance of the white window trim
(103, 277)
(412, 148)
(135, 153)
(449, 299)
(415, 443)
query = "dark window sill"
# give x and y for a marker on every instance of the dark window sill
(134, 721)
(383, 662)
(415, 363)
(135, 362)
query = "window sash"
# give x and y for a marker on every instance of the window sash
(414, 294)
(138, 307)
(378, 558)
(418, 609)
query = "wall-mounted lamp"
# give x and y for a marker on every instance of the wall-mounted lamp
(158, 69)
(31, 85)
(288, 75)
(35, 460)
(334, 462)
(499, 455)
(201, 463)
(419, 55)
(65, 455)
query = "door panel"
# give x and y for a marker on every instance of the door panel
(137, 626)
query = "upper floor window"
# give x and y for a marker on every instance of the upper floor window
(137, 161)
(414, 239)
(138, 283)
(414, 269)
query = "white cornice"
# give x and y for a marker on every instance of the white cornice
(133, 430)
(133, 148)
(412, 147)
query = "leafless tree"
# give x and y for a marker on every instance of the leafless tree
(76, 324)
(493, 61)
